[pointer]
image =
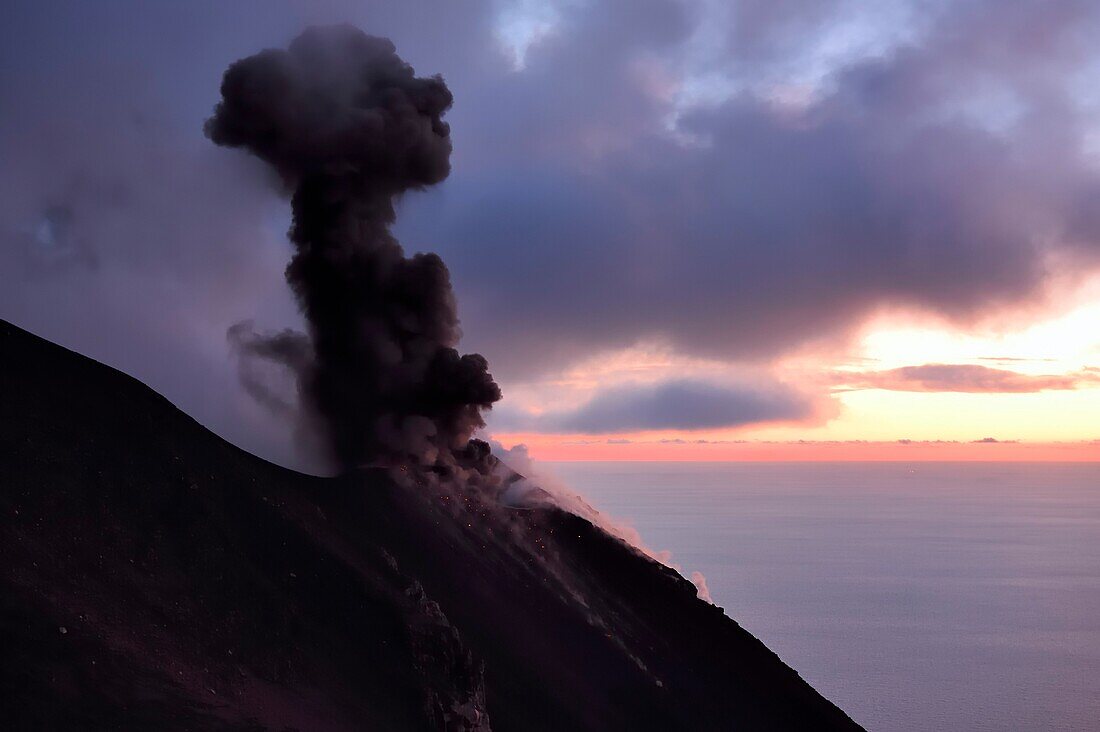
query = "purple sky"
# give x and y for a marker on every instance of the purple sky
(735, 180)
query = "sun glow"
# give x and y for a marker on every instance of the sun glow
(1048, 410)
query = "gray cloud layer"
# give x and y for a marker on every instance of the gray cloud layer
(902, 183)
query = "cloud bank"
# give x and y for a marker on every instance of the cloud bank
(943, 174)
(671, 405)
(967, 378)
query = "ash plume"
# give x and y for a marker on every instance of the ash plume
(350, 127)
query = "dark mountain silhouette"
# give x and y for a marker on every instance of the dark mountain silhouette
(156, 577)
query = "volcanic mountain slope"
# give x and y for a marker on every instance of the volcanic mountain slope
(154, 576)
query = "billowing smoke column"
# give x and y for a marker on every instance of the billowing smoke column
(350, 127)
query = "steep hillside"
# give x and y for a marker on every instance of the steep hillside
(154, 576)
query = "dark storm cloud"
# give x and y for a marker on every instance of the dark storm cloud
(675, 405)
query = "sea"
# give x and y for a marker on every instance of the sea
(915, 596)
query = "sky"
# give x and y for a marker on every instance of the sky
(677, 229)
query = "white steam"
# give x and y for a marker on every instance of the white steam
(540, 486)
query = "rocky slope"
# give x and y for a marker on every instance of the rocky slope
(153, 576)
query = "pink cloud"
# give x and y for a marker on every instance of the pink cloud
(968, 378)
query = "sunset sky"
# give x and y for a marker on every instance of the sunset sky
(678, 229)
(908, 390)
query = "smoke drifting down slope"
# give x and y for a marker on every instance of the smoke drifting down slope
(350, 127)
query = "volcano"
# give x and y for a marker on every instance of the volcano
(155, 576)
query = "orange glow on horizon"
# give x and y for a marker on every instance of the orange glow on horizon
(1035, 386)
(579, 449)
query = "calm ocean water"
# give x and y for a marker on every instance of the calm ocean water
(944, 596)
